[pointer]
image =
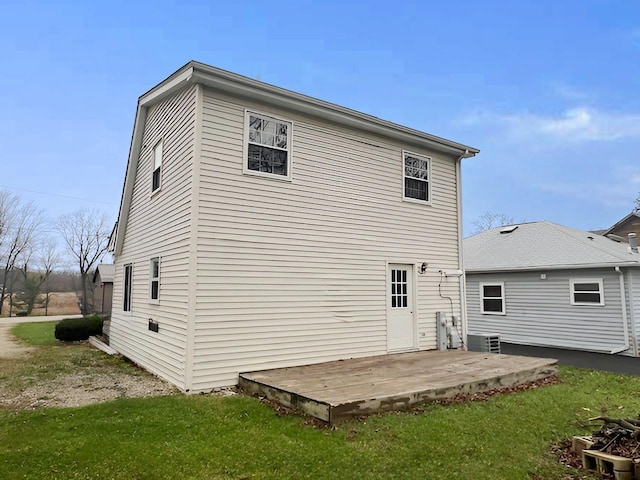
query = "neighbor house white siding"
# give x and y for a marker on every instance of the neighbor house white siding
(159, 225)
(290, 273)
(539, 311)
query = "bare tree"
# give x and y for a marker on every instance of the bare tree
(18, 224)
(86, 235)
(636, 209)
(490, 220)
(49, 259)
(45, 257)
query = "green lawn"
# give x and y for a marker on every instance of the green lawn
(213, 437)
(39, 333)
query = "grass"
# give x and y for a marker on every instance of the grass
(194, 437)
(36, 334)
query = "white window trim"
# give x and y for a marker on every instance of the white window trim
(572, 291)
(245, 148)
(152, 279)
(502, 297)
(429, 180)
(124, 292)
(153, 164)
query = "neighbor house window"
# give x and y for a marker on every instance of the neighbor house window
(492, 298)
(268, 146)
(126, 294)
(154, 279)
(157, 167)
(587, 291)
(417, 177)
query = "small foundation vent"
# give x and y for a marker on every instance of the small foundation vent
(483, 343)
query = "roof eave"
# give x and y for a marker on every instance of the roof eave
(239, 85)
(553, 267)
(632, 214)
(222, 80)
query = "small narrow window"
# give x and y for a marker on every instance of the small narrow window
(268, 146)
(417, 177)
(588, 291)
(126, 294)
(154, 279)
(157, 167)
(492, 298)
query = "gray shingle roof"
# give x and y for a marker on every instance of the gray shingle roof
(542, 245)
(107, 272)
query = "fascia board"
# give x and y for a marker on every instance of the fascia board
(130, 176)
(245, 87)
(172, 84)
(553, 267)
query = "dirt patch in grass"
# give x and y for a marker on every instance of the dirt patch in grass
(9, 345)
(68, 375)
(85, 388)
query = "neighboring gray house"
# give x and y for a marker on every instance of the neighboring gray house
(544, 284)
(103, 288)
(629, 224)
(261, 228)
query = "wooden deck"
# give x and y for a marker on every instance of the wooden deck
(333, 390)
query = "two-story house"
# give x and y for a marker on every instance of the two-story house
(261, 228)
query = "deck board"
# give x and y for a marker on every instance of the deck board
(365, 385)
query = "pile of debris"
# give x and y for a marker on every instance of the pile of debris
(613, 450)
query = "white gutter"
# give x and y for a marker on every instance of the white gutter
(625, 318)
(568, 266)
(632, 315)
(462, 281)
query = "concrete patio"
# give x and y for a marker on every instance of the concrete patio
(333, 390)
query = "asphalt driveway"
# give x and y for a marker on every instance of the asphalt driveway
(577, 358)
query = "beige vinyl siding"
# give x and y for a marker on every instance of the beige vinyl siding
(290, 273)
(159, 225)
(539, 312)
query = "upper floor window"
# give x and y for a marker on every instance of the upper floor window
(587, 291)
(157, 167)
(154, 279)
(417, 177)
(492, 298)
(126, 293)
(267, 146)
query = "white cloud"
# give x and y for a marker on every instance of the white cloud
(570, 92)
(581, 124)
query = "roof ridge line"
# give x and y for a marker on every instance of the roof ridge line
(592, 245)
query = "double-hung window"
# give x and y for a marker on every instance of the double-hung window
(154, 280)
(416, 173)
(587, 291)
(267, 146)
(157, 167)
(126, 291)
(492, 298)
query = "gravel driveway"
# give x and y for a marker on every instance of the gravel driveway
(100, 381)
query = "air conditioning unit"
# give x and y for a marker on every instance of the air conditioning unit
(489, 343)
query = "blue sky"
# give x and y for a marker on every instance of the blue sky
(547, 90)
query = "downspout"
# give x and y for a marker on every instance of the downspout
(462, 282)
(625, 318)
(632, 316)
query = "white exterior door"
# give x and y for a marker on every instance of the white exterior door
(400, 319)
